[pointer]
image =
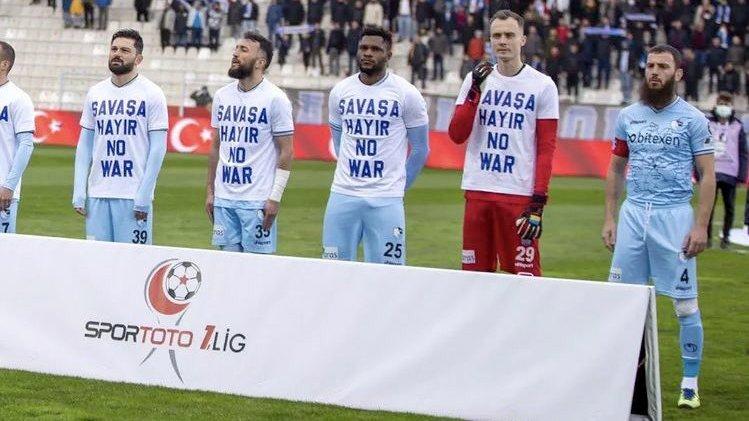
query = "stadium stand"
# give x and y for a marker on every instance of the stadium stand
(57, 65)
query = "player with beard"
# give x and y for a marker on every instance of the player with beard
(250, 160)
(121, 148)
(374, 116)
(16, 139)
(663, 139)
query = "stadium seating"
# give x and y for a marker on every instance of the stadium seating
(56, 66)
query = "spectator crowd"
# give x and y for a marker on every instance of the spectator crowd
(578, 43)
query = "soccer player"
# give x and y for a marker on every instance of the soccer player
(508, 113)
(662, 138)
(374, 116)
(16, 139)
(121, 148)
(253, 142)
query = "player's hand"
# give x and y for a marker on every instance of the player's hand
(481, 72)
(80, 210)
(695, 242)
(269, 213)
(608, 234)
(209, 206)
(140, 215)
(6, 196)
(529, 224)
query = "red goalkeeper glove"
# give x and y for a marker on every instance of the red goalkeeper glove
(529, 224)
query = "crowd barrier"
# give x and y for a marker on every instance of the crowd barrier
(430, 341)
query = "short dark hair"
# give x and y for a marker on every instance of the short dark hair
(130, 34)
(378, 31)
(665, 48)
(508, 14)
(725, 97)
(7, 53)
(265, 45)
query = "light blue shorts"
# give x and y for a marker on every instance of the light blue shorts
(379, 223)
(114, 220)
(8, 218)
(242, 230)
(649, 248)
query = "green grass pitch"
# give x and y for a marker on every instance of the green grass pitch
(571, 248)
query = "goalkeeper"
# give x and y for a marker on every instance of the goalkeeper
(508, 115)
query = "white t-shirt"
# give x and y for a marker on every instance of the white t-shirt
(121, 118)
(247, 122)
(16, 116)
(501, 152)
(373, 121)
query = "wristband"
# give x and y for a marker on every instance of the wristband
(279, 184)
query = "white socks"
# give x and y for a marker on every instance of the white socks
(689, 383)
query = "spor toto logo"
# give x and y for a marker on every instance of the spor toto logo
(170, 288)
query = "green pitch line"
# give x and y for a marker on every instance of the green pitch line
(571, 248)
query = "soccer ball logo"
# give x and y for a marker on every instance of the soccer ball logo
(183, 281)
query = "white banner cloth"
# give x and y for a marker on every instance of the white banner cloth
(442, 342)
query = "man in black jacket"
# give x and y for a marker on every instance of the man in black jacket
(315, 11)
(729, 79)
(318, 44)
(336, 44)
(716, 57)
(692, 75)
(572, 71)
(352, 46)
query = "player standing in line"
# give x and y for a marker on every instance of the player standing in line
(253, 141)
(374, 116)
(663, 138)
(16, 139)
(508, 114)
(121, 148)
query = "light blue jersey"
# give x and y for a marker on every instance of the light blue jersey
(657, 215)
(662, 146)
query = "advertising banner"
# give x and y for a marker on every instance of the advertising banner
(440, 342)
(583, 147)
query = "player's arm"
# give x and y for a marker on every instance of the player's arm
(156, 153)
(83, 157)
(334, 120)
(418, 139)
(461, 123)
(696, 241)
(285, 145)
(530, 223)
(335, 134)
(211, 177)
(614, 188)
(20, 162)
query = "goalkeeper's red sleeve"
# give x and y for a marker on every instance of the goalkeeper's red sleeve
(462, 121)
(546, 142)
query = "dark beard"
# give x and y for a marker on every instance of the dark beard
(377, 68)
(121, 69)
(241, 72)
(658, 98)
